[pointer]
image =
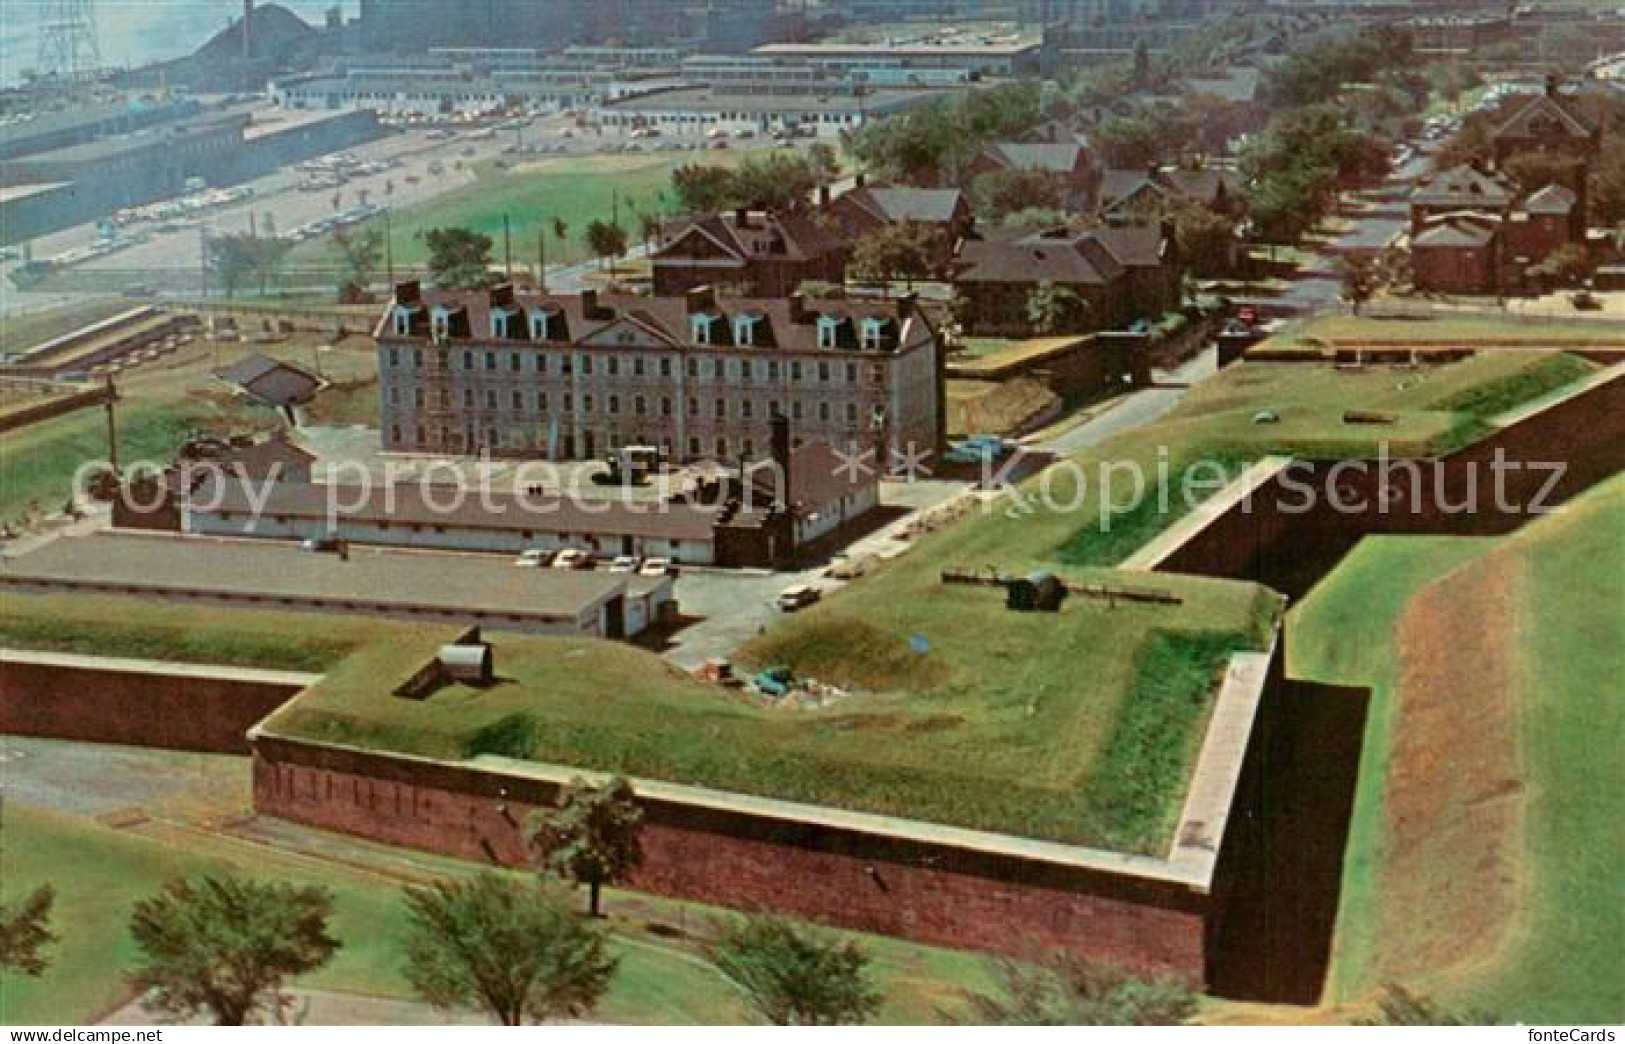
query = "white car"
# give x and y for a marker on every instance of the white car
(657, 567)
(624, 564)
(533, 558)
(572, 558)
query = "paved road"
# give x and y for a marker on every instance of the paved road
(1133, 410)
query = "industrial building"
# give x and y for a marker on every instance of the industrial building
(430, 588)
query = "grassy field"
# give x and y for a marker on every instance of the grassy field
(160, 402)
(1553, 955)
(578, 189)
(100, 872)
(1463, 328)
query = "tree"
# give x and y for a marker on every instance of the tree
(703, 189)
(773, 180)
(1056, 309)
(606, 240)
(359, 254)
(507, 945)
(1206, 239)
(459, 259)
(905, 250)
(794, 975)
(1038, 218)
(1533, 171)
(25, 932)
(1359, 280)
(1062, 989)
(225, 945)
(1568, 265)
(591, 836)
(232, 259)
(999, 193)
(649, 229)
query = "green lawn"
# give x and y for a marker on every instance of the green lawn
(37, 463)
(1562, 962)
(578, 189)
(99, 873)
(21, 332)
(1582, 330)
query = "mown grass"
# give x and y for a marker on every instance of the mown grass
(99, 873)
(577, 189)
(1561, 962)
(21, 332)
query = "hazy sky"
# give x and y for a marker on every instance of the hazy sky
(133, 32)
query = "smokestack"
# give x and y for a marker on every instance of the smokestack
(248, 29)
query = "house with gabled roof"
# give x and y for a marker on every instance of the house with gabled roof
(759, 253)
(1070, 164)
(1548, 122)
(867, 208)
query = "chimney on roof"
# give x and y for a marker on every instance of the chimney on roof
(1552, 84)
(907, 304)
(501, 295)
(589, 304)
(798, 309)
(408, 291)
(701, 299)
(1153, 170)
(823, 195)
(860, 179)
(741, 217)
(780, 443)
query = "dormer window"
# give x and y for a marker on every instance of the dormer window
(828, 331)
(745, 330)
(439, 324)
(403, 321)
(499, 325)
(700, 326)
(538, 325)
(873, 329)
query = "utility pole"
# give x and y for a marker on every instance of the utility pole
(203, 261)
(541, 257)
(112, 426)
(389, 251)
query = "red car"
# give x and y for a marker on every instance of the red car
(1248, 314)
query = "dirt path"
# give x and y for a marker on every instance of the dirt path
(1454, 796)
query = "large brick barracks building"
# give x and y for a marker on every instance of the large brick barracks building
(566, 377)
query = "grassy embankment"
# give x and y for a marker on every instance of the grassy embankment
(1544, 947)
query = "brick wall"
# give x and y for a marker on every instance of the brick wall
(940, 894)
(135, 708)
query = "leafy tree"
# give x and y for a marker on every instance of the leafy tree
(1002, 192)
(1535, 170)
(225, 945)
(933, 144)
(1062, 989)
(1607, 196)
(606, 240)
(1359, 280)
(359, 254)
(591, 836)
(25, 932)
(1054, 309)
(1568, 265)
(1400, 1007)
(234, 258)
(648, 229)
(1206, 240)
(459, 259)
(1038, 217)
(703, 189)
(905, 250)
(824, 162)
(507, 945)
(795, 975)
(774, 180)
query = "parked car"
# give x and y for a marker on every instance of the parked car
(1585, 301)
(657, 567)
(624, 564)
(323, 544)
(572, 558)
(798, 597)
(775, 681)
(534, 558)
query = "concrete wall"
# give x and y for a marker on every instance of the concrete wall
(117, 702)
(932, 893)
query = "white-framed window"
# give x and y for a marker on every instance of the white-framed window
(745, 330)
(828, 326)
(872, 331)
(403, 321)
(538, 325)
(700, 329)
(499, 324)
(439, 324)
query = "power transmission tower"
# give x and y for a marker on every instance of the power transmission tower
(67, 39)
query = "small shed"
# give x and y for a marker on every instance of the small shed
(467, 664)
(1035, 592)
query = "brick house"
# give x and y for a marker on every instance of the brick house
(756, 252)
(1070, 165)
(865, 209)
(1461, 189)
(1130, 195)
(1120, 273)
(1458, 254)
(1549, 122)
